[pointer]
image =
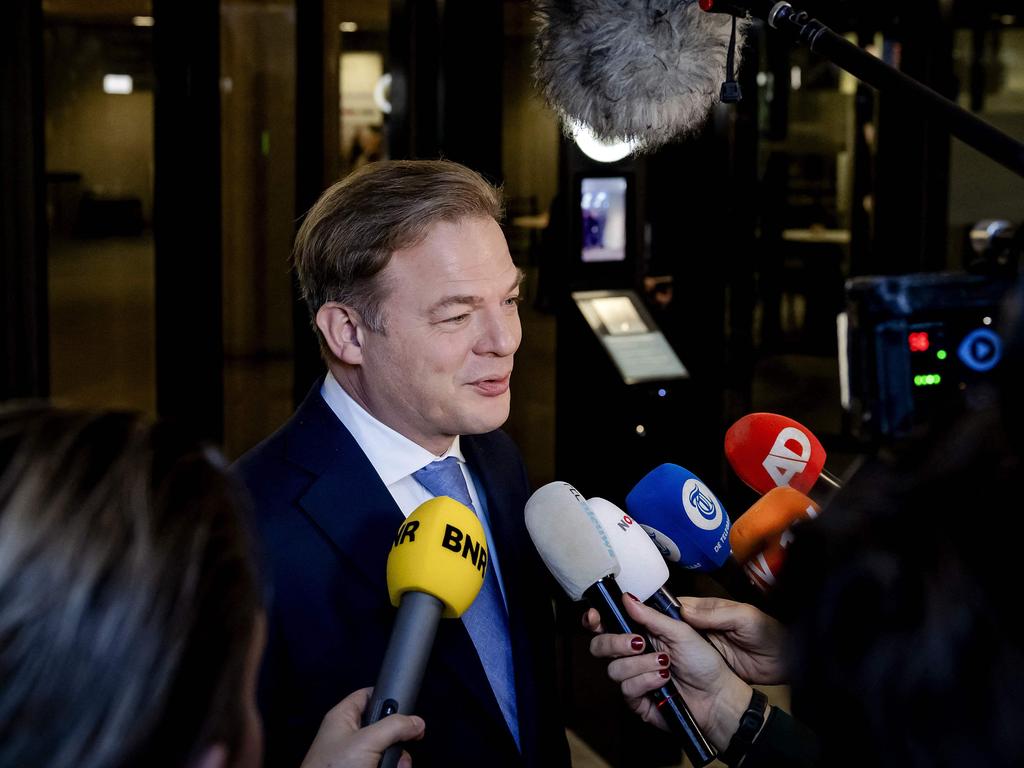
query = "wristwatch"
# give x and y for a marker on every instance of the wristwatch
(750, 724)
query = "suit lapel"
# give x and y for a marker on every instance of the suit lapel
(353, 508)
(347, 501)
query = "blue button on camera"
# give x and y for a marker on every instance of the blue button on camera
(981, 350)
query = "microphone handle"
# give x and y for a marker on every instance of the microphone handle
(663, 601)
(736, 582)
(405, 661)
(606, 597)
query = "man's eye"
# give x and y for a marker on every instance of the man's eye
(513, 301)
(456, 319)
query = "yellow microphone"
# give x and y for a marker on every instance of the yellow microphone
(436, 568)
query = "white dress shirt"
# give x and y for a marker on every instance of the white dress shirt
(395, 457)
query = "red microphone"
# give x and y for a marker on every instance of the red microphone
(768, 451)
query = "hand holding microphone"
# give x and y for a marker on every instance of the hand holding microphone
(716, 694)
(576, 550)
(436, 568)
(751, 641)
(341, 743)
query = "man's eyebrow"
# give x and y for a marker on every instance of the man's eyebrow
(474, 301)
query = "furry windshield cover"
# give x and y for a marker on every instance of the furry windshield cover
(647, 71)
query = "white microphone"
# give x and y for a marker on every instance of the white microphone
(643, 571)
(575, 547)
(647, 70)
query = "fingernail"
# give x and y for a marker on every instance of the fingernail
(664, 673)
(637, 643)
(663, 659)
(631, 596)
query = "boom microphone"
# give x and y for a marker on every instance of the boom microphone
(644, 571)
(642, 70)
(436, 568)
(576, 549)
(767, 451)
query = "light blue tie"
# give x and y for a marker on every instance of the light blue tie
(486, 620)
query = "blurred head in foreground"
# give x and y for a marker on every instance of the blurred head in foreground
(130, 618)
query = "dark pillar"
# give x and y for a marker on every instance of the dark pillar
(471, 84)
(187, 215)
(446, 67)
(414, 129)
(310, 164)
(24, 342)
(913, 167)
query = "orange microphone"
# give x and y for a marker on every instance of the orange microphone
(767, 519)
(760, 536)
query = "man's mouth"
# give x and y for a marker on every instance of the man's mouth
(492, 387)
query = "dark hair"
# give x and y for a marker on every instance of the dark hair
(128, 597)
(350, 234)
(904, 601)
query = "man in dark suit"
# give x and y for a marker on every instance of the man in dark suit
(414, 298)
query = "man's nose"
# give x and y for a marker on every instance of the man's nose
(501, 334)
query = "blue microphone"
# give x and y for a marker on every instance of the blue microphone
(690, 527)
(683, 517)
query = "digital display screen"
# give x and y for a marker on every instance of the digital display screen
(618, 315)
(637, 348)
(603, 215)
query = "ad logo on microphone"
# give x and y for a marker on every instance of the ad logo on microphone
(783, 463)
(701, 505)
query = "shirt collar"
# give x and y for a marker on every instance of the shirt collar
(391, 453)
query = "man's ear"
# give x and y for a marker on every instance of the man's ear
(342, 329)
(214, 756)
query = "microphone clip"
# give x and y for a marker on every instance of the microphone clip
(732, 93)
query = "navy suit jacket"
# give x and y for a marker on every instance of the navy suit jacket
(325, 523)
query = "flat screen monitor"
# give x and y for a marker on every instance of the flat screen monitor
(603, 215)
(630, 337)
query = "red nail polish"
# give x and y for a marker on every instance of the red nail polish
(631, 596)
(637, 643)
(663, 659)
(664, 673)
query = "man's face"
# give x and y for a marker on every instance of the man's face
(452, 326)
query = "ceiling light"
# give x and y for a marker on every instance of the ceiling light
(382, 93)
(601, 151)
(120, 85)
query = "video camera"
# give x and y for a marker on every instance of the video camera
(913, 348)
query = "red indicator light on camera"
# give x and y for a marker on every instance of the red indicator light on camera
(919, 341)
(706, 5)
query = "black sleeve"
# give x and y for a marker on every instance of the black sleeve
(783, 743)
